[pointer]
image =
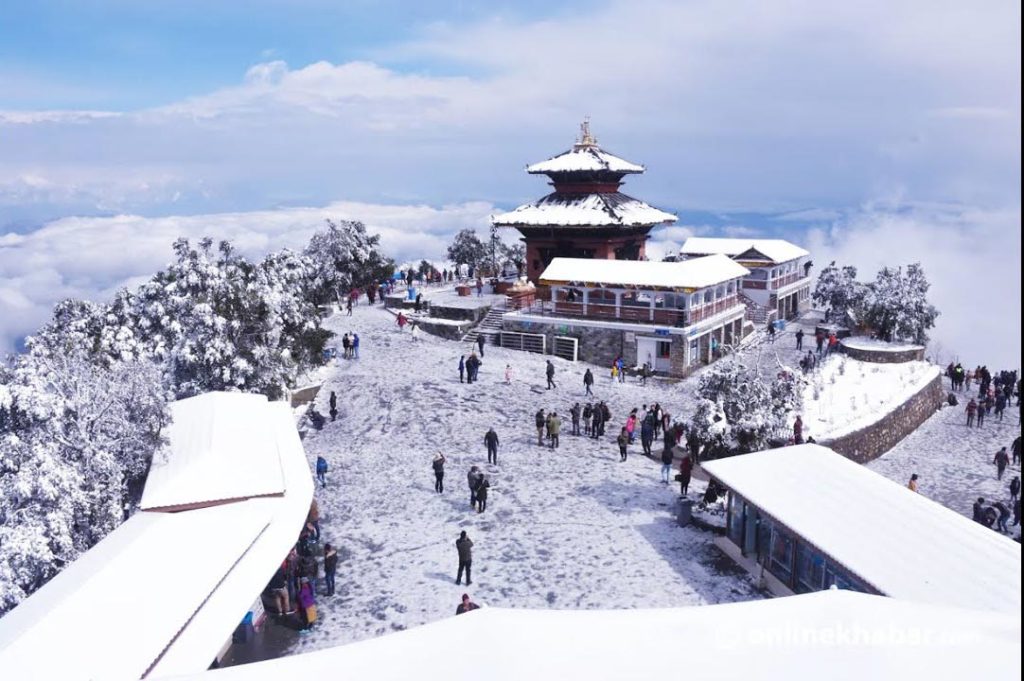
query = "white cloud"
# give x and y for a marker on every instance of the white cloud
(971, 257)
(93, 257)
(760, 105)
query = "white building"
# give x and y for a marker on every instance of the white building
(807, 518)
(673, 315)
(779, 280)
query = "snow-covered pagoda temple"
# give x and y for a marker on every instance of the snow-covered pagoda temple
(586, 216)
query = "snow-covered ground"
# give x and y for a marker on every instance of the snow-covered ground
(845, 394)
(571, 528)
(954, 462)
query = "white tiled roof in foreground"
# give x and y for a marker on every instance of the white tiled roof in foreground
(689, 274)
(217, 452)
(779, 250)
(838, 635)
(585, 210)
(163, 592)
(900, 542)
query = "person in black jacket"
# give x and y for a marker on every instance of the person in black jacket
(473, 479)
(588, 381)
(481, 494)
(466, 605)
(464, 545)
(330, 567)
(540, 420)
(438, 466)
(666, 464)
(491, 441)
(550, 372)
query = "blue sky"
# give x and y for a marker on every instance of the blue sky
(882, 131)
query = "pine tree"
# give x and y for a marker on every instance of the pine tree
(899, 307)
(345, 257)
(467, 249)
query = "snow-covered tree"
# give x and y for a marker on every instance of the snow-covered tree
(345, 257)
(899, 307)
(838, 289)
(467, 249)
(76, 440)
(742, 408)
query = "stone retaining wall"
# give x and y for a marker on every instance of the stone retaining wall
(304, 395)
(883, 356)
(449, 331)
(470, 314)
(872, 441)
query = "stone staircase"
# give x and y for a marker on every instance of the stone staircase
(489, 327)
(758, 314)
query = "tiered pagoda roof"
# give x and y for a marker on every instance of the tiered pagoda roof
(586, 179)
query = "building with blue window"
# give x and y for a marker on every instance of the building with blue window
(805, 519)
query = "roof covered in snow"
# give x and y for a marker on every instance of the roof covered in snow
(900, 542)
(164, 591)
(838, 634)
(584, 158)
(584, 210)
(217, 452)
(689, 274)
(776, 250)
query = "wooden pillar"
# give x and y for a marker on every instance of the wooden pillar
(652, 305)
(586, 300)
(618, 304)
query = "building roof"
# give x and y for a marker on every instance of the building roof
(217, 453)
(776, 250)
(164, 591)
(690, 274)
(901, 543)
(838, 634)
(584, 158)
(584, 210)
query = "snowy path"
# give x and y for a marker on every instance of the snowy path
(568, 529)
(954, 462)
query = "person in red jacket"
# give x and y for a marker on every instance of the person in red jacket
(798, 430)
(685, 470)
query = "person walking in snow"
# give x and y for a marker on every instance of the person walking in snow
(798, 430)
(972, 410)
(1003, 517)
(508, 374)
(462, 368)
(647, 435)
(799, 339)
(418, 305)
(554, 428)
(1000, 405)
(401, 320)
(481, 495)
(833, 343)
(620, 365)
(355, 346)
(491, 442)
(1001, 460)
(464, 546)
(912, 485)
(466, 605)
(631, 425)
(541, 422)
(685, 472)
(979, 414)
(333, 406)
(348, 307)
(550, 373)
(472, 367)
(623, 441)
(588, 413)
(479, 287)
(345, 345)
(666, 464)
(1015, 489)
(1015, 449)
(588, 382)
(473, 478)
(438, 466)
(480, 341)
(321, 470)
(978, 510)
(330, 567)
(819, 340)
(574, 414)
(771, 332)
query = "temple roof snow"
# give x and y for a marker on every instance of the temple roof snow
(584, 210)
(776, 250)
(689, 274)
(584, 159)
